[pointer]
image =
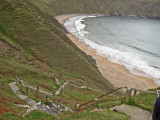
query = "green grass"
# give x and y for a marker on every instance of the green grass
(145, 101)
(35, 34)
(105, 115)
(78, 95)
(109, 102)
(11, 116)
(2, 30)
(34, 115)
(38, 115)
(10, 80)
(8, 99)
(13, 43)
(142, 106)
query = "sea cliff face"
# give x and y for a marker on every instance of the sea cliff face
(143, 8)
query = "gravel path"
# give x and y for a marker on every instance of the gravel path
(135, 112)
(15, 89)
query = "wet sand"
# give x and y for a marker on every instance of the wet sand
(117, 74)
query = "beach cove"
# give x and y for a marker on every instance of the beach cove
(117, 74)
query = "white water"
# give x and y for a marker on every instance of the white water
(124, 55)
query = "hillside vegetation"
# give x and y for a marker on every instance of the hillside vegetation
(148, 8)
(32, 40)
(34, 49)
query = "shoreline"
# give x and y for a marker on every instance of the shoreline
(116, 74)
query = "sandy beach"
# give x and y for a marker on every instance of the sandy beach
(117, 74)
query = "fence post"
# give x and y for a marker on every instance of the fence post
(36, 92)
(135, 92)
(20, 82)
(129, 93)
(27, 90)
(126, 94)
(157, 93)
(95, 102)
(17, 79)
(59, 100)
(123, 100)
(46, 98)
(37, 87)
(77, 107)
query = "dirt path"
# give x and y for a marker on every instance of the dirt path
(15, 89)
(134, 112)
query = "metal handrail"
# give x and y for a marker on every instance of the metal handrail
(103, 95)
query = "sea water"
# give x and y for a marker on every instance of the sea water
(132, 42)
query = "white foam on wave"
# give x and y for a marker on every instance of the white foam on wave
(130, 60)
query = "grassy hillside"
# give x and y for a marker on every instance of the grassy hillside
(149, 8)
(33, 48)
(44, 45)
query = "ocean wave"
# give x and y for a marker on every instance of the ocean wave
(131, 61)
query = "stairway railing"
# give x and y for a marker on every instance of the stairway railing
(94, 102)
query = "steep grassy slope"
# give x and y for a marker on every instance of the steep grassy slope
(149, 8)
(33, 48)
(36, 34)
